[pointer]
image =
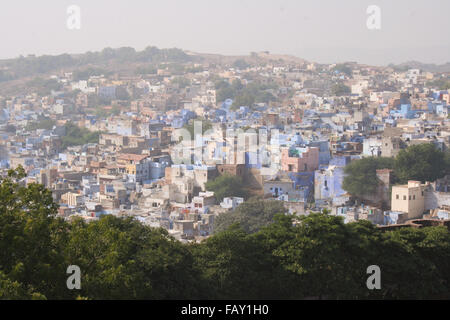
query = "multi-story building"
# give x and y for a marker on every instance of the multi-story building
(300, 159)
(409, 198)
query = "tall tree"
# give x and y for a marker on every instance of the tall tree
(361, 175)
(31, 238)
(226, 185)
(251, 215)
(422, 162)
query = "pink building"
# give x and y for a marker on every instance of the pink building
(300, 159)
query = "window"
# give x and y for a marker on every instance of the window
(414, 197)
(409, 197)
(397, 197)
(404, 197)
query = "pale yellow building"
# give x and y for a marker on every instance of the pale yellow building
(73, 199)
(409, 198)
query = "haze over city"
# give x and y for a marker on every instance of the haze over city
(323, 31)
(205, 151)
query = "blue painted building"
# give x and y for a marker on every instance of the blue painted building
(328, 181)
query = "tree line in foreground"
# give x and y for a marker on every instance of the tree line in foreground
(315, 256)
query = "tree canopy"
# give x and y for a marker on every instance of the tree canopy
(344, 69)
(241, 64)
(250, 215)
(340, 89)
(254, 92)
(422, 162)
(226, 186)
(314, 256)
(206, 125)
(32, 65)
(76, 136)
(361, 175)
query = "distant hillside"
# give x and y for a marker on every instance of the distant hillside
(12, 69)
(14, 72)
(429, 67)
(253, 58)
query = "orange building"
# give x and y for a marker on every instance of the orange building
(300, 159)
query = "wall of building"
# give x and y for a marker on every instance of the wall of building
(435, 199)
(409, 198)
(306, 161)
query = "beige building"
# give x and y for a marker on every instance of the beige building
(73, 199)
(409, 198)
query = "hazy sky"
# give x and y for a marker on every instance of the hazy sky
(317, 30)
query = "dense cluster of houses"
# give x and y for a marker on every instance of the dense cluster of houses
(293, 149)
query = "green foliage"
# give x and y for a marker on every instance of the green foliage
(224, 91)
(206, 125)
(76, 136)
(85, 74)
(102, 112)
(155, 55)
(330, 258)
(122, 93)
(13, 290)
(176, 68)
(119, 258)
(340, 89)
(194, 69)
(244, 99)
(226, 186)
(361, 175)
(441, 83)
(44, 86)
(5, 76)
(220, 84)
(254, 92)
(181, 82)
(236, 265)
(250, 215)
(315, 254)
(45, 123)
(130, 261)
(31, 255)
(146, 70)
(240, 64)
(96, 101)
(32, 65)
(422, 162)
(10, 128)
(344, 69)
(286, 257)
